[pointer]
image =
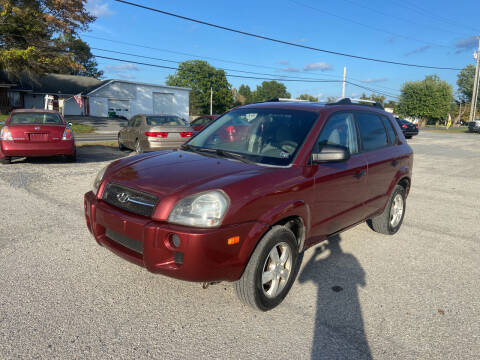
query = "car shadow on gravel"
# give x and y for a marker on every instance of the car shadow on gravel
(85, 154)
(339, 330)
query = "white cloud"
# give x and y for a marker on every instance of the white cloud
(283, 62)
(322, 66)
(123, 71)
(291, 69)
(418, 50)
(375, 80)
(466, 44)
(98, 8)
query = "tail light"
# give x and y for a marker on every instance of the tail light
(162, 134)
(5, 134)
(186, 133)
(404, 126)
(67, 134)
(416, 126)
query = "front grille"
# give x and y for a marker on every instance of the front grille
(123, 240)
(132, 200)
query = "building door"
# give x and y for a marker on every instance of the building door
(119, 107)
(164, 104)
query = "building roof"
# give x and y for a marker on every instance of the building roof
(52, 83)
(58, 84)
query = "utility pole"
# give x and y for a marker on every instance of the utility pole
(473, 105)
(211, 101)
(343, 83)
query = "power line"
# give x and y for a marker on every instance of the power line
(383, 31)
(282, 41)
(226, 74)
(251, 77)
(211, 58)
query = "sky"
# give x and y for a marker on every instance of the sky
(434, 33)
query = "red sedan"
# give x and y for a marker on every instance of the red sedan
(33, 133)
(201, 122)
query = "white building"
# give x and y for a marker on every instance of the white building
(99, 98)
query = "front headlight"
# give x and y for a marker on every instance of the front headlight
(201, 210)
(98, 179)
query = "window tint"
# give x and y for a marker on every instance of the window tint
(138, 121)
(165, 121)
(25, 118)
(339, 130)
(372, 131)
(390, 131)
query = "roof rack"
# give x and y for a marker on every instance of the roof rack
(285, 100)
(363, 102)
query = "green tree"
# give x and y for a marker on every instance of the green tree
(200, 76)
(244, 95)
(373, 97)
(429, 99)
(40, 36)
(308, 97)
(270, 90)
(465, 80)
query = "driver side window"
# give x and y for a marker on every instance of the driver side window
(339, 130)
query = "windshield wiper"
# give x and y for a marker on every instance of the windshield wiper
(234, 155)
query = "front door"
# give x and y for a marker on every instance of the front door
(340, 188)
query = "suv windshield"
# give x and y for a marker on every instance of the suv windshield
(35, 118)
(266, 136)
(165, 121)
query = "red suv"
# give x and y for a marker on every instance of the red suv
(244, 210)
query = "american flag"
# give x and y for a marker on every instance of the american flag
(79, 100)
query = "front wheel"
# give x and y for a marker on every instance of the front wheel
(138, 147)
(271, 271)
(6, 160)
(391, 219)
(121, 147)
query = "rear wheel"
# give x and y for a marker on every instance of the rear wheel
(121, 147)
(72, 158)
(271, 271)
(138, 147)
(408, 136)
(391, 219)
(6, 160)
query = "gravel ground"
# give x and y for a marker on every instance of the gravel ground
(362, 295)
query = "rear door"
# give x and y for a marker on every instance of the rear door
(380, 155)
(340, 188)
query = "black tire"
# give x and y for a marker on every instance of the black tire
(138, 147)
(408, 136)
(250, 289)
(6, 160)
(383, 222)
(121, 147)
(72, 158)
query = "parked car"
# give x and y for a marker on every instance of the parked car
(34, 133)
(474, 126)
(154, 132)
(201, 122)
(409, 129)
(244, 210)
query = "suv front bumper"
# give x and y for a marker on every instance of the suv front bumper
(203, 254)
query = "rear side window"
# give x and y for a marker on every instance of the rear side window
(165, 121)
(138, 121)
(392, 135)
(372, 131)
(339, 130)
(35, 119)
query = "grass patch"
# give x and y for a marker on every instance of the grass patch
(113, 144)
(82, 128)
(444, 130)
(3, 118)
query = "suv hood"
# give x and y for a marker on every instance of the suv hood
(179, 173)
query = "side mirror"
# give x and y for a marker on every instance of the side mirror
(331, 153)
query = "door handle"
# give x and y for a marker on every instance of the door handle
(394, 163)
(359, 174)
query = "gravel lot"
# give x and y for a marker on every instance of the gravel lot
(415, 295)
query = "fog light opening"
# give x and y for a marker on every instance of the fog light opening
(175, 240)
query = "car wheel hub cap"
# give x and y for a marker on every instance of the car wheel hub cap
(396, 211)
(277, 270)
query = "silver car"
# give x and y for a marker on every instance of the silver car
(154, 132)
